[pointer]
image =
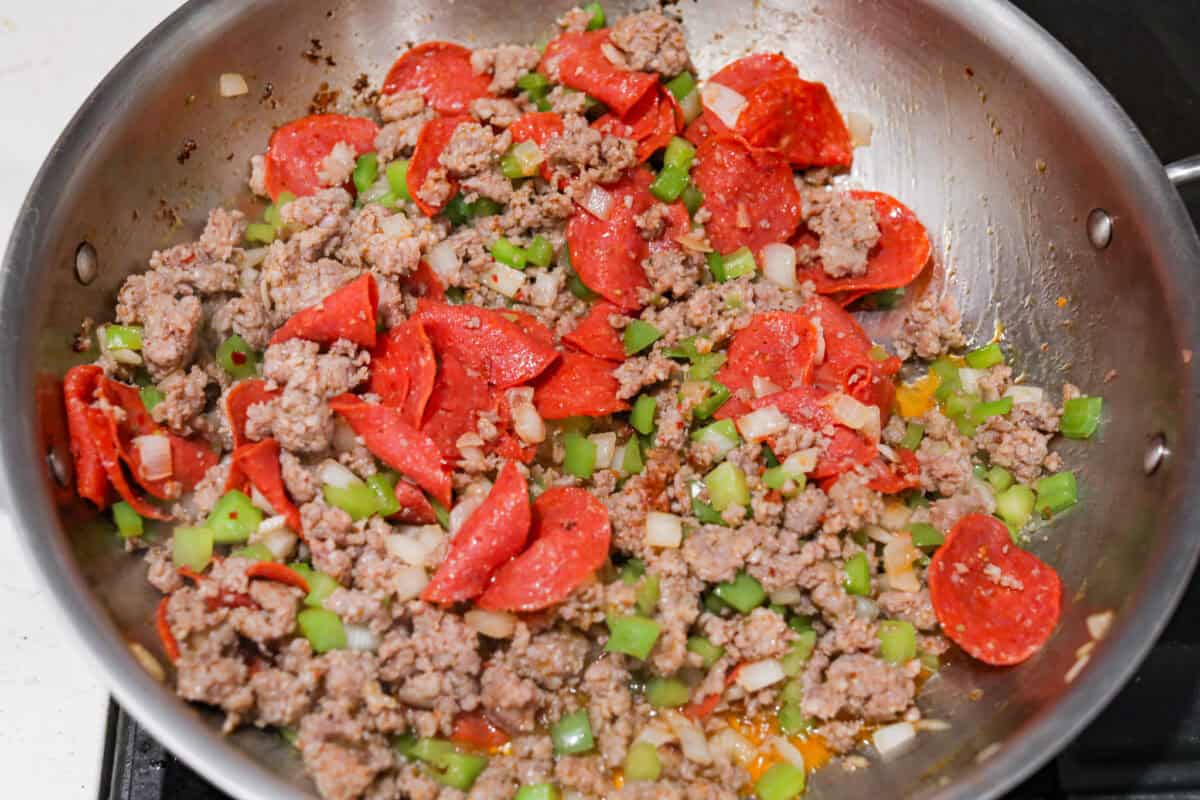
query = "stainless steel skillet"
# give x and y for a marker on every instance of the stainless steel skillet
(1034, 184)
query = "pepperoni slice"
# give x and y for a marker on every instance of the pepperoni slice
(849, 365)
(847, 449)
(396, 443)
(906, 474)
(537, 127)
(415, 508)
(259, 463)
(530, 326)
(578, 61)
(100, 430)
(578, 386)
(595, 336)
(347, 313)
(423, 282)
(432, 140)
(742, 76)
(238, 400)
(492, 535)
(752, 196)
(459, 394)
(651, 123)
(442, 72)
(899, 257)
(607, 253)
(571, 534)
(798, 120)
(296, 150)
(403, 370)
(996, 601)
(777, 345)
(79, 389)
(486, 342)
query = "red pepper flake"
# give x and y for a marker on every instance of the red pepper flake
(237, 357)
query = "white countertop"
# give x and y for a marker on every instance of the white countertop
(52, 709)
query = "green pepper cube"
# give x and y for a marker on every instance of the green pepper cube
(320, 585)
(632, 571)
(1056, 493)
(792, 720)
(356, 498)
(999, 478)
(720, 437)
(705, 365)
(192, 547)
(985, 357)
(383, 485)
(743, 593)
(237, 358)
(858, 575)
(692, 198)
(647, 595)
(1015, 505)
(981, 412)
(783, 781)
(716, 266)
(913, 434)
(799, 652)
(233, 518)
(632, 635)
(642, 762)
(151, 396)
(533, 82)
(727, 487)
(949, 381)
(642, 415)
(897, 641)
(1081, 417)
(254, 552)
(123, 337)
(925, 535)
(705, 513)
(459, 770)
(579, 458)
(709, 653)
(669, 184)
(322, 628)
(397, 178)
(538, 791)
(572, 734)
(682, 85)
(667, 692)
(631, 462)
(539, 252)
(260, 233)
(596, 19)
(508, 253)
(129, 524)
(739, 263)
(366, 171)
(680, 154)
(640, 335)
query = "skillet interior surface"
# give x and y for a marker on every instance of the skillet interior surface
(994, 136)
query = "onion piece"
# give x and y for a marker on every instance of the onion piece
(899, 554)
(1026, 394)
(344, 437)
(606, 444)
(895, 515)
(656, 735)
(779, 265)
(691, 738)
(598, 202)
(760, 674)
(232, 84)
(408, 583)
(865, 608)
(472, 499)
(733, 746)
(527, 422)
(1099, 623)
(444, 262)
(331, 473)
(853, 414)
(801, 462)
(970, 379)
(154, 451)
(492, 624)
(663, 530)
(546, 286)
(281, 541)
(763, 423)
(409, 549)
(892, 739)
(861, 129)
(360, 637)
(503, 279)
(763, 387)
(786, 597)
(788, 751)
(723, 101)
(690, 106)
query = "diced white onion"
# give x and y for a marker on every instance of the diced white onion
(801, 462)
(444, 262)
(786, 597)
(598, 202)
(409, 582)
(528, 156)
(154, 452)
(344, 437)
(469, 439)
(655, 734)
(723, 101)
(853, 414)
(779, 265)
(232, 84)
(878, 534)
(1098, 624)
(408, 549)
(692, 392)
(605, 444)
(731, 744)
(690, 106)
(788, 751)
(895, 516)
(763, 387)
(260, 502)
(492, 624)
(865, 608)
(892, 739)
(931, 725)
(331, 473)
(663, 530)
(472, 499)
(527, 422)
(281, 541)
(760, 674)
(691, 738)
(148, 662)
(898, 557)
(360, 637)
(1022, 394)
(546, 286)
(503, 279)
(719, 444)
(970, 379)
(123, 356)
(618, 462)
(252, 258)
(860, 127)
(763, 423)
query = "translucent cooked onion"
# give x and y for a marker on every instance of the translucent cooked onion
(281, 541)
(344, 437)
(723, 101)
(892, 739)
(690, 106)
(232, 84)
(409, 582)
(598, 202)
(252, 258)
(606, 445)
(898, 557)
(853, 414)
(472, 498)
(970, 379)
(762, 423)
(760, 674)
(786, 597)
(895, 516)
(779, 265)
(1026, 394)
(492, 624)
(801, 462)
(444, 262)
(154, 451)
(865, 608)
(331, 473)
(788, 751)
(545, 289)
(503, 279)
(655, 734)
(527, 422)
(360, 637)
(763, 387)
(663, 530)
(861, 129)
(409, 549)
(691, 738)
(528, 155)
(731, 744)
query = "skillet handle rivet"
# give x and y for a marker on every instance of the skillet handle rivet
(1155, 454)
(1099, 228)
(87, 263)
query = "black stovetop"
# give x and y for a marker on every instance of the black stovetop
(1146, 745)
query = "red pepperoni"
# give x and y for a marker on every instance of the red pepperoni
(432, 140)
(595, 336)
(403, 370)
(100, 430)
(798, 120)
(537, 127)
(849, 365)
(579, 62)
(79, 390)
(423, 282)
(571, 534)
(742, 76)
(347, 313)
(415, 508)
(397, 444)
(442, 72)
(530, 326)
(296, 150)
(996, 601)
(578, 386)
(607, 253)
(259, 464)
(238, 400)
(486, 342)
(280, 573)
(492, 535)
(651, 123)
(898, 477)
(847, 448)
(459, 394)
(752, 196)
(899, 257)
(777, 345)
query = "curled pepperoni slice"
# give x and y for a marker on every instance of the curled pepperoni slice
(296, 151)
(570, 539)
(238, 400)
(850, 365)
(100, 430)
(608, 253)
(751, 195)
(79, 390)
(847, 448)
(777, 346)
(486, 342)
(403, 370)
(442, 72)
(651, 123)
(347, 313)
(896, 260)
(259, 464)
(595, 336)
(492, 535)
(537, 127)
(577, 60)
(423, 282)
(905, 474)
(415, 508)
(435, 135)
(798, 120)
(458, 395)
(579, 385)
(742, 76)
(996, 601)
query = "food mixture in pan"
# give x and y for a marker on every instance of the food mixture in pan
(528, 445)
